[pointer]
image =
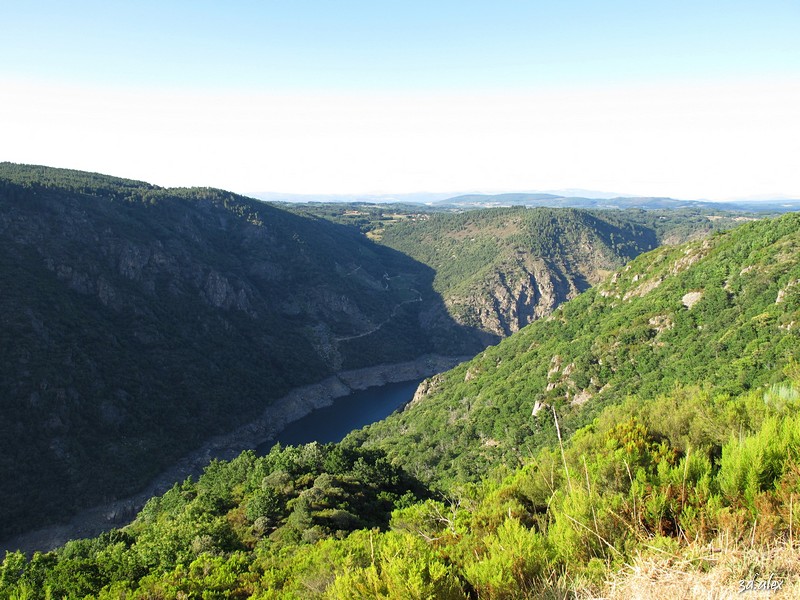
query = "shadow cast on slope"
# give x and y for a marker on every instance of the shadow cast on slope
(140, 321)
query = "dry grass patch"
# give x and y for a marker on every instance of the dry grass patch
(708, 573)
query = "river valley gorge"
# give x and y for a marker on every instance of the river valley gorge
(322, 412)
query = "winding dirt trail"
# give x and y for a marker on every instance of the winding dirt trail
(384, 322)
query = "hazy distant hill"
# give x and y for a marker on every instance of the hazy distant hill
(410, 198)
(137, 321)
(507, 199)
(647, 203)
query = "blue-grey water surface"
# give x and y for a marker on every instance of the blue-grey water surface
(332, 423)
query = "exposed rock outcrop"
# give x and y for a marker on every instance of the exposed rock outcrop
(689, 299)
(517, 295)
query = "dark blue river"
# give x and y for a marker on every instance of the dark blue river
(332, 423)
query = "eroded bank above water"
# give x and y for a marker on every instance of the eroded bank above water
(259, 432)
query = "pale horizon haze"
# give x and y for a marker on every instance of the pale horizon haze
(693, 100)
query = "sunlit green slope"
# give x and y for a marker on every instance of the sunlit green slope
(722, 311)
(501, 269)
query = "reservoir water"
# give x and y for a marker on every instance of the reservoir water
(332, 423)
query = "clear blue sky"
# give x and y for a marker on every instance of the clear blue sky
(208, 52)
(400, 44)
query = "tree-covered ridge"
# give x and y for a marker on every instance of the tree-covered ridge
(38, 177)
(722, 311)
(137, 321)
(459, 246)
(692, 478)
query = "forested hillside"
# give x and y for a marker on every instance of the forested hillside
(138, 321)
(722, 311)
(682, 481)
(500, 269)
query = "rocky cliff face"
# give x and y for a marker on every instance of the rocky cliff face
(528, 288)
(499, 270)
(508, 300)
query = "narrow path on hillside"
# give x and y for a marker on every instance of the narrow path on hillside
(384, 322)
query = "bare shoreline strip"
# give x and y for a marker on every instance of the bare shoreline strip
(275, 417)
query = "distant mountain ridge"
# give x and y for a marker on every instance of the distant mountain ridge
(377, 198)
(569, 198)
(646, 203)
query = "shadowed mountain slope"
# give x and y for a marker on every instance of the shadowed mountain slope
(137, 321)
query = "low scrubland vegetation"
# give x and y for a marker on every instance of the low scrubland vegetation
(683, 495)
